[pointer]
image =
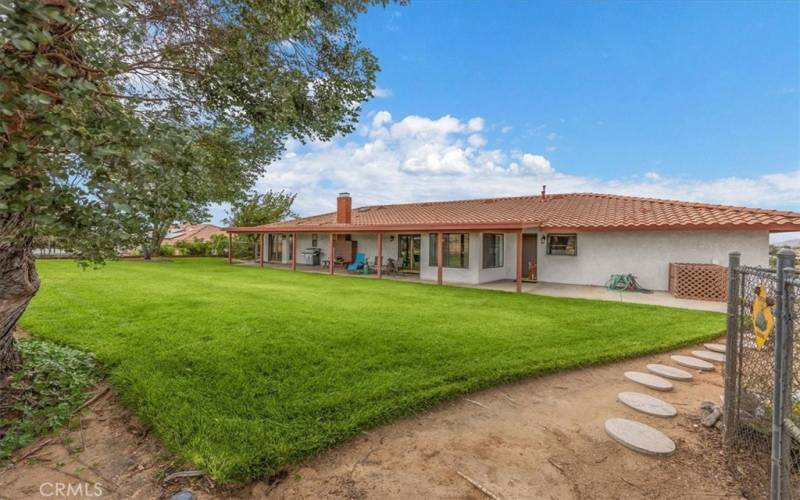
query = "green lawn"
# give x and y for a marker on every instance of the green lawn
(243, 370)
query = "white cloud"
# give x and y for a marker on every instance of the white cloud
(420, 158)
(381, 118)
(476, 140)
(420, 127)
(475, 124)
(506, 129)
(381, 92)
(536, 164)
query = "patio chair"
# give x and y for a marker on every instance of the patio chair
(390, 267)
(357, 264)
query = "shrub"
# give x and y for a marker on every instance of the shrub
(218, 244)
(43, 393)
(195, 248)
(166, 250)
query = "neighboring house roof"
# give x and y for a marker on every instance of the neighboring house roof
(189, 232)
(553, 212)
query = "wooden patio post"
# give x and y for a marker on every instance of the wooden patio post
(330, 254)
(519, 261)
(230, 248)
(294, 251)
(439, 257)
(380, 255)
(261, 254)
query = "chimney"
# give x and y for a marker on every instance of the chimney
(344, 207)
(544, 190)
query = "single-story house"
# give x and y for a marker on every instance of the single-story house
(189, 232)
(575, 238)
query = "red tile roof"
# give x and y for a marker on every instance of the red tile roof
(574, 211)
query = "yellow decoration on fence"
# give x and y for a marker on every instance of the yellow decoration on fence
(763, 321)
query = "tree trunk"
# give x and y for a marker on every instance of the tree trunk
(153, 246)
(18, 283)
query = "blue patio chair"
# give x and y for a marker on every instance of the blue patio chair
(358, 263)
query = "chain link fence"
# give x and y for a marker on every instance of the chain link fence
(762, 380)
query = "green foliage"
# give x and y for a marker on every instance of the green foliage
(114, 108)
(50, 385)
(218, 245)
(244, 370)
(256, 209)
(166, 250)
(195, 247)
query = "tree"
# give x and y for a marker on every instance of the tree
(82, 80)
(257, 209)
(190, 168)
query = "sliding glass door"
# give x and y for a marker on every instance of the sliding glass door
(408, 252)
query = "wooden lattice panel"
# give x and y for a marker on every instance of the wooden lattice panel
(698, 281)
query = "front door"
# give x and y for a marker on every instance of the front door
(529, 269)
(408, 251)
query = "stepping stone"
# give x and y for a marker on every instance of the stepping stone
(690, 362)
(670, 372)
(715, 347)
(709, 356)
(649, 380)
(647, 404)
(639, 437)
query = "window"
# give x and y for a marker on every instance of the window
(456, 250)
(314, 240)
(562, 244)
(492, 250)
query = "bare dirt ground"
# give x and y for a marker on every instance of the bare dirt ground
(539, 438)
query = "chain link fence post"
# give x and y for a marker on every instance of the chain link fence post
(781, 400)
(731, 350)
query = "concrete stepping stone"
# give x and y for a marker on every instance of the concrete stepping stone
(715, 347)
(639, 437)
(649, 380)
(709, 356)
(647, 404)
(690, 362)
(667, 371)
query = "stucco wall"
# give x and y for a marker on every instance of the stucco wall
(367, 244)
(474, 273)
(647, 255)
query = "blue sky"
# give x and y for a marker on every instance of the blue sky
(687, 100)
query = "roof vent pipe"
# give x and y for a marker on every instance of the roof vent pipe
(344, 207)
(544, 190)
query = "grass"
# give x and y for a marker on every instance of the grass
(243, 370)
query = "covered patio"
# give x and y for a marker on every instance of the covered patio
(417, 254)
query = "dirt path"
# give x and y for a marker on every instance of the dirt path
(541, 438)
